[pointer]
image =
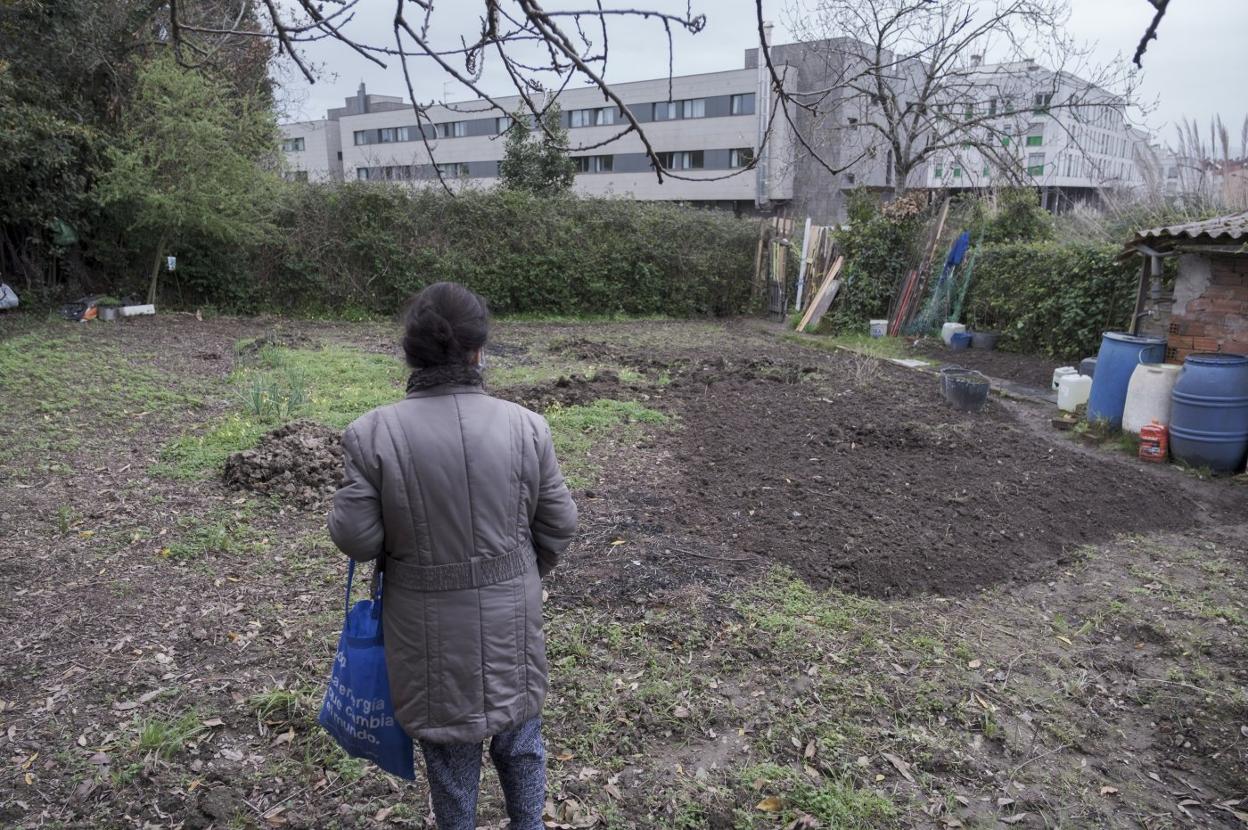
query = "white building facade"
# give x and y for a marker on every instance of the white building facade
(1045, 129)
(1049, 130)
(707, 134)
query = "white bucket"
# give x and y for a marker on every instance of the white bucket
(1061, 372)
(1148, 395)
(948, 330)
(1072, 391)
(879, 328)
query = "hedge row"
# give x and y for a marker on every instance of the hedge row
(369, 247)
(1050, 297)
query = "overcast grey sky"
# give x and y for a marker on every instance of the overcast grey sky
(1197, 67)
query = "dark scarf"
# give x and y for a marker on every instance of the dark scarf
(450, 374)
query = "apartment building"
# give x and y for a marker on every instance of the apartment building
(706, 132)
(1067, 138)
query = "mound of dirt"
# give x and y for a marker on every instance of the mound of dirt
(278, 338)
(300, 462)
(573, 390)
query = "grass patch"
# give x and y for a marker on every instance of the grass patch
(333, 386)
(166, 737)
(57, 384)
(882, 347)
(576, 428)
(835, 803)
(221, 534)
(282, 706)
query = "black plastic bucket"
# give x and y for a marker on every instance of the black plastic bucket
(967, 392)
(948, 372)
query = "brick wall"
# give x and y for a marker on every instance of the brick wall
(1210, 312)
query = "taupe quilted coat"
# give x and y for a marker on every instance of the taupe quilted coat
(463, 494)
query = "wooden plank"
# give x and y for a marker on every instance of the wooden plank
(924, 266)
(824, 296)
(822, 305)
(801, 265)
(758, 254)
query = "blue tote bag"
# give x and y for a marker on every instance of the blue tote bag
(358, 711)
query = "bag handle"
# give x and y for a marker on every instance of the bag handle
(376, 584)
(346, 610)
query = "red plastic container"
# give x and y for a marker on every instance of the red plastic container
(1154, 442)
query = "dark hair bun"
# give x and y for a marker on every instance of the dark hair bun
(445, 324)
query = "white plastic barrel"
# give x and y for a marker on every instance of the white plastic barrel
(1148, 395)
(949, 329)
(1061, 372)
(879, 328)
(1073, 391)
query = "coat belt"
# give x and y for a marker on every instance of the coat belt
(457, 576)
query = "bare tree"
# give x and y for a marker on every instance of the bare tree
(541, 52)
(912, 82)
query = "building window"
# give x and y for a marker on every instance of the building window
(693, 108)
(594, 164)
(386, 135)
(742, 157)
(600, 117)
(665, 111)
(682, 160)
(1035, 135)
(404, 133)
(992, 106)
(293, 145)
(987, 172)
(1040, 103)
(361, 173)
(459, 129)
(1035, 164)
(361, 137)
(850, 178)
(940, 169)
(957, 172)
(742, 104)
(969, 111)
(502, 124)
(452, 170)
(1005, 141)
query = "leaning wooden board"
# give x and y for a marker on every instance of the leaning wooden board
(823, 299)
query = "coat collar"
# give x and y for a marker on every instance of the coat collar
(447, 389)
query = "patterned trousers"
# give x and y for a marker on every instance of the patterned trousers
(455, 774)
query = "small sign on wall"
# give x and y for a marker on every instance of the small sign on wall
(171, 263)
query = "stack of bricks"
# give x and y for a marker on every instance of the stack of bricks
(1217, 319)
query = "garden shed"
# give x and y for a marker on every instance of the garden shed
(1207, 309)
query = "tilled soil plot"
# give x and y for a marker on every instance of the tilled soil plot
(872, 484)
(1027, 369)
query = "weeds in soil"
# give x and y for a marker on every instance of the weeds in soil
(575, 429)
(226, 533)
(835, 803)
(72, 383)
(333, 385)
(166, 737)
(281, 705)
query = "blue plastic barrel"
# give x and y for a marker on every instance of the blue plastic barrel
(960, 340)
(1209, 412)
(1119, 355)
